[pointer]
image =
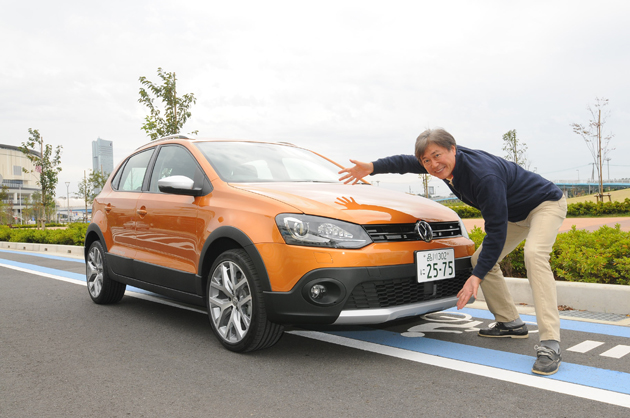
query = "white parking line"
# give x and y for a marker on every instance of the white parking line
(568, 388)
(585, 346)
(544, 383)
(617, 351)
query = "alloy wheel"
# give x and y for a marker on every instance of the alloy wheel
(230, 302)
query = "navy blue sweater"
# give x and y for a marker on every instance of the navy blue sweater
(502, 190)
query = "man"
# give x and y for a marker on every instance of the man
(516, 204)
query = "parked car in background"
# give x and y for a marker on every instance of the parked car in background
(264, 234)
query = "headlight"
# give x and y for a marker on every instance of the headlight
(321, 232)
(463, 229)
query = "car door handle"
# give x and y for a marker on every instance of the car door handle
(108, 208)
(142, 212)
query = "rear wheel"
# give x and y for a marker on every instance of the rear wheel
(235, 304)
(102, 289)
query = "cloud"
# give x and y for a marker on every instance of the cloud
(349, 79)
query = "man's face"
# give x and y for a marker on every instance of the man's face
(439, 161)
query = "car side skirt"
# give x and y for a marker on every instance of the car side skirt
(125, 270)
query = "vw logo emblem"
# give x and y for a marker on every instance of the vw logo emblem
(424, 231)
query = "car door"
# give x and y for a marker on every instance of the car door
(168, 247)
(120, 209)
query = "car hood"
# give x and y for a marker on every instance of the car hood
(361, 204)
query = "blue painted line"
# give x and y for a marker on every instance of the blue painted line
(567, 324)
(65, 274)
(573, 373)
(52, 257)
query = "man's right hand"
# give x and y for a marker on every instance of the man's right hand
(356, 173)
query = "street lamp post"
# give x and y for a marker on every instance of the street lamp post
(68, 200)
(20, 207)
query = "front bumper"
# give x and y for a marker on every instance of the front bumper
(365, 295)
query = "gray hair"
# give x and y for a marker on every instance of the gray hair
(436, 136)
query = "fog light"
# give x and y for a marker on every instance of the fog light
(317, 291)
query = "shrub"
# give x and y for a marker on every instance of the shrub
(73, 234)
(5, 233)
(599, 209)
(602, 256)
(573, 210)
(464, 211)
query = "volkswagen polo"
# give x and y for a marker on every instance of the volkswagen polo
(264, 234)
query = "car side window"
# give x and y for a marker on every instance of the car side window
(116, 178)
(174, 160)
(132, 175)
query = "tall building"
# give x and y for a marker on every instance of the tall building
(103, 156)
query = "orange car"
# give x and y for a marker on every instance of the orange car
(264, 234)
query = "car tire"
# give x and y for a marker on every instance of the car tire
(236, 309)
(102, 289)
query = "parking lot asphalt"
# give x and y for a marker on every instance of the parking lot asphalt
(55, 341)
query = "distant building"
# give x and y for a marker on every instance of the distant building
(21, 185)
(103, 156)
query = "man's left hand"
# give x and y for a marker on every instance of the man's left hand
(468, 290)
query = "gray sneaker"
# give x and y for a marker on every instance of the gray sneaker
(548, 361)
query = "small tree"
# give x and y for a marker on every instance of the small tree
(32, 206)
(515, 149)
(46, 164)
(176, 109)
(90, 187)
(97, 180)
(596, 141)
(426, 179)
(6, 209)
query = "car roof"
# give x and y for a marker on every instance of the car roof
(194, 138)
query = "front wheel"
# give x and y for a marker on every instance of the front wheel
(102, 289)
(235, 304)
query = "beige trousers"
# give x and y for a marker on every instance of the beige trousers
(539, 229)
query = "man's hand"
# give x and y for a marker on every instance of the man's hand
(356, 173)
(469, 289)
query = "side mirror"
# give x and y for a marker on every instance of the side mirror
(180, 185)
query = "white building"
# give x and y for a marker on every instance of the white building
(21, 185)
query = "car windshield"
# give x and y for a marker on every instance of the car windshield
(244, 162)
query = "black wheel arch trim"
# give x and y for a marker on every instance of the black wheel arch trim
(244, 242)
(93, 228)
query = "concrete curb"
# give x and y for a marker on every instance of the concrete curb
(593, 297)
(73, 250)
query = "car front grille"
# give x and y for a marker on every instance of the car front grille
(397, 292)
(407, 232)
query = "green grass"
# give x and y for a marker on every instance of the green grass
(616, 196)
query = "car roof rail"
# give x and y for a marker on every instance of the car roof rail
(175, 136)
(165, 138)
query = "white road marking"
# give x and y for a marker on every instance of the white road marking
(137, 295)
(567, 388)
(585, 346)
(617, 351)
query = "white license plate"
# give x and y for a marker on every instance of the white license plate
(435, 264)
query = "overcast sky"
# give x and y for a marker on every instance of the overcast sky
(349, 79)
